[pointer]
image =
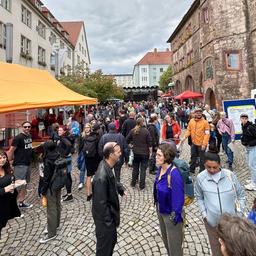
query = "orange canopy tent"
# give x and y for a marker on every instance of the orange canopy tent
(188, 95)
(167, 95)
(29, 88)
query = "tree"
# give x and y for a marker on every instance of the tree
(165, 79)
(93, 84)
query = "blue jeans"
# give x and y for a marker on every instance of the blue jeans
(81, 166)
(251, 153)
(140, 164)
(226, 139)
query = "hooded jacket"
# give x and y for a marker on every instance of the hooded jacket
(248, 137)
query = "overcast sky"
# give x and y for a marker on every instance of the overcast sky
(120, 32)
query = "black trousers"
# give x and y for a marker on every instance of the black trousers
(196, 152)
(106, 238)
(69, 183)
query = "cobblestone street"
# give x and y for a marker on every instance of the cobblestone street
(138, 233)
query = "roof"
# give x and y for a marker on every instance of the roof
(189, 13)
(32, 88)
(74, 29)
(156, 58)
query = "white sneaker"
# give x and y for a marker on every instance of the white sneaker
(250, 186)
(248, 181)
(80, 186)
(46, 239)
(45, 232)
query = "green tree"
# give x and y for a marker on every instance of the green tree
(165, 79)
(93, 84)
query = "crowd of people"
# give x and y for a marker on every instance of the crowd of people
(145, 135)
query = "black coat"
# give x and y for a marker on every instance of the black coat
(48, 171)
(8, 202)
(248, 137)
(105, 202)
(154, 135)
(128, 125)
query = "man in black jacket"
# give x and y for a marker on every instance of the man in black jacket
(248, 139)
(105, 202)
(113, 136)
(129, 124)
(53, 195)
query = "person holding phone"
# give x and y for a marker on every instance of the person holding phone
(8, 194)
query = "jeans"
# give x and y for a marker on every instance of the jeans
(81, 166)
(226, 139)
(251, 153)
(118, 167)
(69, 178)
(196, 152)
(140, 164)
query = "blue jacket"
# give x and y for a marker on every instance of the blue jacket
(252, 216)
(214, 199)
(169, 198)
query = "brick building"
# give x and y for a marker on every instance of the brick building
(214, 50)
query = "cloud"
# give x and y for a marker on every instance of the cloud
(120, 32)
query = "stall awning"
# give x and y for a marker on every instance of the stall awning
(27, 88)
(189, 95)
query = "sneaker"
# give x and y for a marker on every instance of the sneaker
(248, 181)
(80, 186)
(25, 206)
(68, 198)
(19, 217)
(45, 232)
(89, 198)
(46, 239)
(64, 196)
(250, 186)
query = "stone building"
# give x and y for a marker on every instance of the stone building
(214, 50)
(39, 40)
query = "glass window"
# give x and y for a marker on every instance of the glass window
(2, 35)
(41, 56)
(69, 53)
(233, 60)
(6, 4)
(52, 38)
(25, 46)
(26, 16)
(61, 45)
(41, 29)
(161, 70)
(206, 15)
(208, 69)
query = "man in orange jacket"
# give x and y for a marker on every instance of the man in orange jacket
(199, 130)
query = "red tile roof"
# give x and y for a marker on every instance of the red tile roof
(73, 28)
(156, 58)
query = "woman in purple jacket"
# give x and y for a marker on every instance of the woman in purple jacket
(169, 199)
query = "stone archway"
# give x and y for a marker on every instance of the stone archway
(210, 98)
(178, 87)
(189, 83)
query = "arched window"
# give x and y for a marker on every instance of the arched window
(208, 69)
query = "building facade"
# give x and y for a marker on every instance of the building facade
(125, 81)
(38, 38)
(147, 72)
(214, 50)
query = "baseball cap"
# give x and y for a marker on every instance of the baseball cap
(244, 115)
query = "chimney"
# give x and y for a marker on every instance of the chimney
(167, 49)
(155, 49)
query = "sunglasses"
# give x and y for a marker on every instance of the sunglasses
(27, 127)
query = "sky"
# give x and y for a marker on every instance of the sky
(120, 32)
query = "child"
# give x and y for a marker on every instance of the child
(252, 214)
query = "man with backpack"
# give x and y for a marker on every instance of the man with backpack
(113, 136)
(248, 139)
(50, 188)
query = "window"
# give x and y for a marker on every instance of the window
(61, 45)
(144, 79)
(144, 70)
(25, 46)
(154, 78)
(69, 53)
(2, 35)
(41, 29)
(6, 4)
(232, 59)
(154, 69)
(208, 69)
(41, 56)
(52, 38)
(26, 16)
(205, 15)
(78, 59)
(161, 70)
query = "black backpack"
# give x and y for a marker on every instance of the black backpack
(90, 146)
(59, 177)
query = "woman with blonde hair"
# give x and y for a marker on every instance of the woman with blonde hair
(141, 140)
